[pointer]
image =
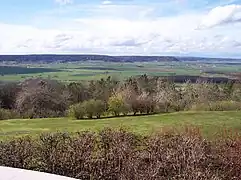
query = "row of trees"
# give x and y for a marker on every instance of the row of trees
(40, 98)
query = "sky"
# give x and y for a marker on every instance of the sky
(209, 28)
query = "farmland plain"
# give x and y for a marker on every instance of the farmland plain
(77, 71)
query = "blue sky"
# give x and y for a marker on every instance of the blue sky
(140, 27)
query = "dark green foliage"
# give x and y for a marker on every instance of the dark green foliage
(8, 94)
(119, 154)
(9, 70)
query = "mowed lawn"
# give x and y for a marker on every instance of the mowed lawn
(209, 123)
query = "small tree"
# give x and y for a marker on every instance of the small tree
(236, 93)
(41, 99)
(99, 108)
(130, 99)
(89, 108)
(164, 96)
(78, 92)
(77, 111)
(93, 108)
(117, 105)
(145, 103)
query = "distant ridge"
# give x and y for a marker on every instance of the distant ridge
(74, 58)
(49, 58)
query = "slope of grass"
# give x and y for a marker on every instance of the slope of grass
(209, 123)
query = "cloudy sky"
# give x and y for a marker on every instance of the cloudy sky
(121, 27)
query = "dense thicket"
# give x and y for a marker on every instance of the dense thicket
(39, 98)
(118, 154)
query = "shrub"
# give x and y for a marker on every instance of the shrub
(116, 154)
(76, 111)
(19, 153)
(225, 106)
(7, 114)
(200, 107)
(218, 106)
(4, 114)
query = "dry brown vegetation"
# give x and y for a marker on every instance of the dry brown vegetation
(119, 154)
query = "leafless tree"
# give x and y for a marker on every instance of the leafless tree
(40, 98)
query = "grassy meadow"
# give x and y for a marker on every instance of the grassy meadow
(210, 123)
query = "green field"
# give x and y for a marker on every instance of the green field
(97, 70)
(209, 123)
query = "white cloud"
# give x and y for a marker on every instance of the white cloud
(64, 2)
(112, 31)
(222, 15)
(107, 2)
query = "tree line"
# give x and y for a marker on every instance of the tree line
(42, 98)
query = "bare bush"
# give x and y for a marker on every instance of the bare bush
(119, 154)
